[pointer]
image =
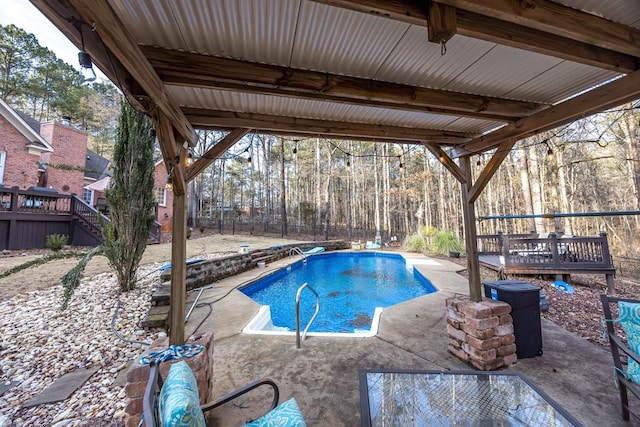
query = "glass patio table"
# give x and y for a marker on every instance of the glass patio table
(456, 398)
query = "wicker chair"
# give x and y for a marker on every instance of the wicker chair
(621, 354)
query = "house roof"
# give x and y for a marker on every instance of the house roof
(27, 127)
(460, 76)
(96, 167)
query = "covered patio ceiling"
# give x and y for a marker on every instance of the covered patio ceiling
(460, 76)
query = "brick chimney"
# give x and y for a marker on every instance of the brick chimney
(65, 166)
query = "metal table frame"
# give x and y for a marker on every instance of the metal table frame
(364, 388)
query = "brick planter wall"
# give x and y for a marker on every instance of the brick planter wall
(481, 333)
(138, 374)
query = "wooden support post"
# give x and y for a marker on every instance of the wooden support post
(470, 233)
(442, 23)
(178, 270)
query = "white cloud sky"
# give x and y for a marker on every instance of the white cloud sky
(23, 14)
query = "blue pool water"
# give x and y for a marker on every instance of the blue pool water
(350, 286)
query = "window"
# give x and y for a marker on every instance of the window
(87, 196)
(160, 194)
(3, 156)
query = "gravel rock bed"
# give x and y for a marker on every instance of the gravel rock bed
(39, 343)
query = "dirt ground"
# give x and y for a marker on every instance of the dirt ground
(49, 274)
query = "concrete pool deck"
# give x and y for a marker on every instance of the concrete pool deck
(323, 374)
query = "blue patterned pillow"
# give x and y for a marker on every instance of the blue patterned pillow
(286, 414)
(629, 318)
(179, 401)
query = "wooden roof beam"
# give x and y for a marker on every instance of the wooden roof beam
(188, 69)
(214, 152)
(447, 162)
(269, 123)
(121, 45)
(555, 18)
(487, 26)
(618, 92)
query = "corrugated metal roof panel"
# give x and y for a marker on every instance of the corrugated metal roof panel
(501, 70)
(625, 12)
(150, 22)
(418, 62)
(261, 31)
(332, 38)
(292, 107)
(560, 82)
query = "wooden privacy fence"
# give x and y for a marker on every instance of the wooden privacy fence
(548, 254)
(27, 217)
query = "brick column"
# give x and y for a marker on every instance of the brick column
(138, 374)
(481, 333)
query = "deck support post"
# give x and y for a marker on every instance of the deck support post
(178, 270)
(470, 232)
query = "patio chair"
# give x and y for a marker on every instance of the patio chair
(175, 401)
(626, 358)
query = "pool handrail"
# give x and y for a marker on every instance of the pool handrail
(298, 251)
(304, 333)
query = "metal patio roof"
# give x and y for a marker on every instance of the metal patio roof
(345, 66)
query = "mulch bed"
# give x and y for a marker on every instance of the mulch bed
(580, 312)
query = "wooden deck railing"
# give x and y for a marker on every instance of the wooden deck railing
(28, 216)
(532, 254)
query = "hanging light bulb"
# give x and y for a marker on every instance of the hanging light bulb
(86, 66)
(401, 166)
(348, 165)
(549, 150)
(478, 162)
(188, 160)
(249, 160)
(169, 185)
(295, 150)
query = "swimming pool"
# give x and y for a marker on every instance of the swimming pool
(354, 287)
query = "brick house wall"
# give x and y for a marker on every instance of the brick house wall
(21, 168)
(165, 210)
(65, 170)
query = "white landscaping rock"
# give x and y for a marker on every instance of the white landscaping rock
(40, 343)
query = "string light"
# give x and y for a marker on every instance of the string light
(169, 182)
(549, 150)
(188, 160)
(248, 160)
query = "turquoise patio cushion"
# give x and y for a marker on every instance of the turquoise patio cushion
(179, 401)
(629, 318)
(286, 414)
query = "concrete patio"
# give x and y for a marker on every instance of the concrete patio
(323, 374)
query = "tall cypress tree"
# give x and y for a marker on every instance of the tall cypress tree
(130, 199)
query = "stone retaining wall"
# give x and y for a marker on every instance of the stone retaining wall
(481, 333)
(138, 374)
(206, 272)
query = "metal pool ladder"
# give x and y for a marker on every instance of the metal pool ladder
(304, 333)
(298, 251)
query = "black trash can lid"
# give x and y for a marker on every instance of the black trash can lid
(512, 286)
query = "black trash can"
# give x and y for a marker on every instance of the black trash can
(524, 299)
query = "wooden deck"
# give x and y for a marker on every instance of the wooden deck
(560, 256)
(27, 217)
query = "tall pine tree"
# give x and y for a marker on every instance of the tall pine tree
(130, 199)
